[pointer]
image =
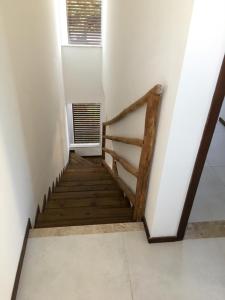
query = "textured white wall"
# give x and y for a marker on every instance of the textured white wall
(33, 147)
(82, 69)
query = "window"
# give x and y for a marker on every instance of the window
(84, 22)
(86, 123)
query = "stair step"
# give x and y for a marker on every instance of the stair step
(61, 189)
(96, 169)
(86, 183)
(87, 176)
(80, 213)
(61, 223)
(89, 202)
(88, 229)
(85, 194)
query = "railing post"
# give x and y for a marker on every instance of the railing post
(114, 168)
(103, 139)
(147, 152)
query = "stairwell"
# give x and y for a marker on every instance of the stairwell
(86, 194)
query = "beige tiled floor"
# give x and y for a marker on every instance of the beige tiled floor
(209, 204)
(122, 266)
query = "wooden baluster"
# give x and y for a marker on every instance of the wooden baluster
(53, 186)
(126, 164)
(147, 152)
(115, 170)
(103, 139)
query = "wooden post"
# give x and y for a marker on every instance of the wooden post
(103, 139)
(115, 171)
(147, 152)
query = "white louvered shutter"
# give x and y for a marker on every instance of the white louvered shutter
(87, 123)
(84, 22)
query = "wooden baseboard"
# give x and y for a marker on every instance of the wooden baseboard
(154, 240)
(20, 264)
(146, 228)
(163, 239)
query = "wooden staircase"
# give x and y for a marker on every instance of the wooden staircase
(86, 194)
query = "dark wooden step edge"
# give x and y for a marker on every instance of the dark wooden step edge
(21, 259)
(222, 121)
(99, 221)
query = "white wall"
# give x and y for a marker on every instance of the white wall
(201, 66)
(82, 68)
(33, 147)
(151, 50)
(137, 55)
(82, 72)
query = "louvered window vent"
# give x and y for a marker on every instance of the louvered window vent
(87, 123)
(84, 22)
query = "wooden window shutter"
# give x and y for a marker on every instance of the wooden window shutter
(86, 123)
(84, 22)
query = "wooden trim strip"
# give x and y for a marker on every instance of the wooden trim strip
(157, 90)
(222, 121)
(163, 239)
(128, 192)
(146, 228)
(127, 166)
(126, 140)
(103, 140)
(20, 264)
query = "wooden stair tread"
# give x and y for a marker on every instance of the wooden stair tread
(86, 183)
(62, 223)
(111, 187)
(85, 194)
(84, 213)
(91, 202)
(82, 177)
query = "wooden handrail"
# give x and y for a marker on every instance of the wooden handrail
(157, 90)
(126, 140)
(127, 166)
(152, 99)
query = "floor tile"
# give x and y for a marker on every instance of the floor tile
(80, 267)
(209, 204)
(186, 270)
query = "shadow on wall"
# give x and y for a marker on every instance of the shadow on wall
(33, 149)
(36, 83)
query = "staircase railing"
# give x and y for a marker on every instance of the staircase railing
(152, 100)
